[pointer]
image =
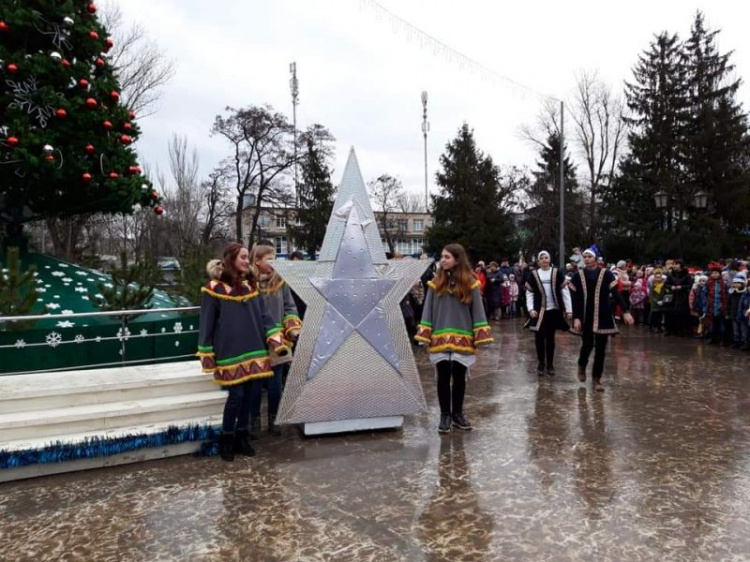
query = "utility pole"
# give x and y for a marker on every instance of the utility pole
(562, 186)
(425, 129)
(294, 85)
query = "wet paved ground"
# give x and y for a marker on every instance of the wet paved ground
(656, 468)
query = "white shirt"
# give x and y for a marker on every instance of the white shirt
(545, 276)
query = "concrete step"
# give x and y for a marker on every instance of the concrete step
(43, 424)
(44, 391)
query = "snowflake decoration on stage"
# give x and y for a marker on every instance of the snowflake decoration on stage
(66, 312)
(123, 334)
(98, 339)
(41, 290)
(20, 344)
(81, 290)
(81, 273)
(79, 339)
(144, 332)
(58, 274)
(191, 326)
(84, 297)
(52, 305)
(65, 324)
(177, 344)
(25, 95)
(109, 285)
(65, 265)
(163, 330)
(177, 327)
(66, 280)
(53, 339)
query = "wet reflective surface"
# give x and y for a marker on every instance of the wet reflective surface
(655, 468)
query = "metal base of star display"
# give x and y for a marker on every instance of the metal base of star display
(346, 426)
(353, 363)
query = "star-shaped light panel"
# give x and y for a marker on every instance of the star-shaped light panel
(354, 358)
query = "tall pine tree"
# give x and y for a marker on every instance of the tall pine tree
(471, 208)
(716, 143)
(316, 197)
(65, 138)
(542, 216)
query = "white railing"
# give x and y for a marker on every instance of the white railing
(123, 336)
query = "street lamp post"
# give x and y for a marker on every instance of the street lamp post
(425, 129)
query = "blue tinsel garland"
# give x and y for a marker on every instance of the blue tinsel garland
(98, 447)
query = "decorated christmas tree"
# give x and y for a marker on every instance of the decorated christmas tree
(65, 137)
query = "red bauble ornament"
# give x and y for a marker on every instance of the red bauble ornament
(131, 114)
(109, 43)
(91, 103)
(91, 8)
(158, 210)
(154, 195)
(86, 177)
(94, 35)
(125, 139)
(65, 63)
(50, 158)
(138, 170)
(132, 170)
(4, 26)
(61, 113)
(115, 95)
(99, 62)
(107, 125)
(113, 175)
(90, 148)
(83, 83)
(127, 126)
(12, 142)
(12, 68)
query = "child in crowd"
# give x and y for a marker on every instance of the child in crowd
(514, 291)
(734, 313)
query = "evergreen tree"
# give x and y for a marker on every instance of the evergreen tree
(316, 197)
(65, 140)
(542, 216)
(657, 99)
(716, 143)
(17, 291)
(471, 208)
(133, 287)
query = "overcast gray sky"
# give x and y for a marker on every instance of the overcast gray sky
(361, 75)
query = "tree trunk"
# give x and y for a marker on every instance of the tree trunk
(238, 217)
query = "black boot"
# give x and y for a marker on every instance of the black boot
(445, 423)
(540, 369)
(460, 421)
(273, 428)
(254, 427)
(226, 446)
(242, 443)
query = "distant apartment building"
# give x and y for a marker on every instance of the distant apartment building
(407, 230)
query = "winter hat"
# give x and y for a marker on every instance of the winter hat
(543, 253)
(621, 264)
(714, 266)
(739, 279)
(592, 250)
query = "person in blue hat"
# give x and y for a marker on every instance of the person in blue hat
(593, 313)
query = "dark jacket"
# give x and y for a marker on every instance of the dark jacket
(604, 294)
(534, 285)
(236, 330)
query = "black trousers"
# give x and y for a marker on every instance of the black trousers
(447, 370)
(597, 342)
(544, 338)
(237, 407)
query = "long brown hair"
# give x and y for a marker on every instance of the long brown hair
(460, 278)
(258, 252)
(229, 273)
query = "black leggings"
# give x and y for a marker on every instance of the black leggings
(545, 338)
(599, 343)
(446, 369)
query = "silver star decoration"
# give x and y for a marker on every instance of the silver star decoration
(354, 359)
